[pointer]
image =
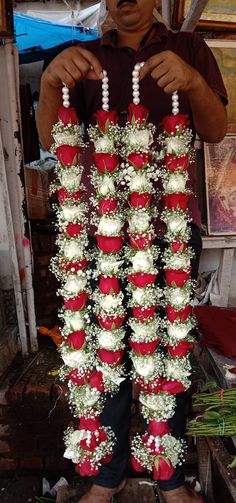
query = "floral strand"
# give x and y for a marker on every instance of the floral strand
(90, 444)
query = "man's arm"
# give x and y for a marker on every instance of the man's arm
(70, 66)
(172, 73)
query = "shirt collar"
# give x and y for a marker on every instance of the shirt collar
(110, 37)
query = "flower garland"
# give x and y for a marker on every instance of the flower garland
(90, 444)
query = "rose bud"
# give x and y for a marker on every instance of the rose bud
(106, 163)
(110, 357)
(63, 194)
(171, 122)
(174, 163)
(142, 313)
(96, 381)
(154, 386)
(68, 115)
(107, 205)
(86, 469)
(144, 348)
(105, 119)
(109, 285)
(76, 303)
(137, 113)
(173, 387)
(141, 280)
(68, 155)
(178, 246)
(76, 378)
(162, 468)
(139, 160)
(74, 230)
(76, 339)
(176, 201)
(107, 459)
(88, 423)
(73, 267)
(109, 244)
(152, 445)
(140, 241)
(157, 428)
(176, 277)
(111, 322)
(181, 350)
(181, 314)
(137, 465)
(140, 200)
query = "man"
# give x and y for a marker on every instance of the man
(173, 62)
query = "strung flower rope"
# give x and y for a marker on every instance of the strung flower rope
(90, 444)
(108, 299)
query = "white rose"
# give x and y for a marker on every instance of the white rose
(142, 329)
(177, 370)
(140, 139)
(108, 339)
(176, 224)
(109, 302)
(66, 138)
(75, 320)
(72, 212)
(71, 181)
(156, 402)
(139, 183)
(176, 182)
(110, 225)
(142, 261)
(73, 250)
(106, 186)
(138, 296)
(75, 358)
(104, 144)
(76, 436)
(178, 262)
(70, 454)
(91, 397)
(179, 296)
(147, 369)
(75, 284)
(139, 222)
(109, 266)
(175, 145)
(178, 332)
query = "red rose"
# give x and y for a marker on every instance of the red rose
(76, 303)
(151, 445)
(172, 387)
(68, 115)
(171, 122)
(144, 348)
(178, 246)
(140, 200)
(88, 423)
(137, 113)
(106, 163)
(182, 348)
(110, 357)
(137, 465)
(74, 229)
(68, 155)
(176, 277)
(152, 386)
(109, 285)
(74, 267)
(174, 163)
(107, 205)
(96, 381)
(142, 279)
(94, 440)
(107, 459)
(86, 469)
(140, 241)
(162, 468)
(142, 313)
(176, 201)
(111, 322)
(139, 160)
(180, 315)
(157, 428)
(77, 378)
(105, 118)
(63, 194)
(76, 339)
(109, 244)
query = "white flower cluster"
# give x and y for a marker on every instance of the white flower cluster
(67, 135)
(76, 453)
(136, 137)
(160, 406)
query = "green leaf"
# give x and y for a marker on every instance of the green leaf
(210, 414)
(173, 284)
(233, 463)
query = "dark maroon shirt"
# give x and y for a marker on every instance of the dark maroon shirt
(119, 63)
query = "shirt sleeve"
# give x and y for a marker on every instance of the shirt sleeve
(204, 61)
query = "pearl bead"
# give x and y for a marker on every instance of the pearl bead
(136, 101)
(135, 80)
(105, 100)
(105, 93)
(105, 80)
(137, 67)
(135, 87)
(142, 64)
(105, 87)
(66, 103)
(105, 107)
(136, 94)
(135, 73)
(175, 99)
(65, 90)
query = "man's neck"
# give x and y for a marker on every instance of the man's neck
(133, 38)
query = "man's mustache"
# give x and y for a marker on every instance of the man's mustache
(125, 1)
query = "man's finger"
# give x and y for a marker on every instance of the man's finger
(150, 64)
(93, 62)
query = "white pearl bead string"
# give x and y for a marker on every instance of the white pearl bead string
(65, 95)
(175, 103)
(135, 83)
(105, 91)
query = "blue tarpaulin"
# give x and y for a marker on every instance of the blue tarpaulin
(37, 38)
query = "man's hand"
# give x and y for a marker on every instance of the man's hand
(72, 65)
(170, 72)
